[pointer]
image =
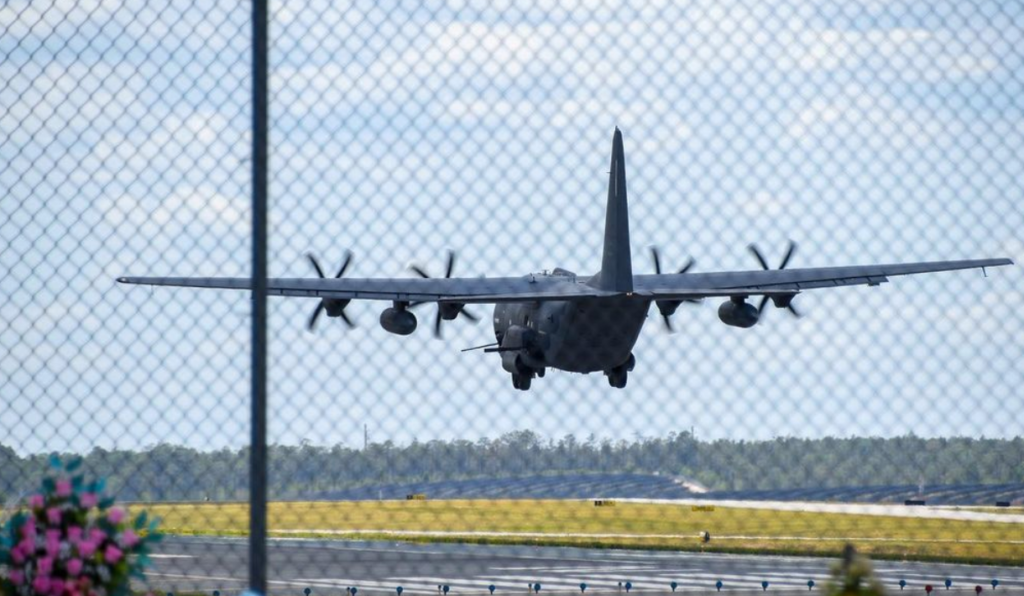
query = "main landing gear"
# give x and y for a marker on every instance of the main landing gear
(522, 381)
(617, 376)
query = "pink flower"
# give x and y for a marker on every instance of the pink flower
(88, 500)
(97, 535)
(53, 516)
(63, 488)
(44, 566)
(86, 548)
(74, 567)
(116, 515)
(17, 555)
(36, 502)
(52, 542)
(28, 530)
(112, 555)
(17, 576)
(129, 539)
(56, 587)
(74, 534)
(41, 584)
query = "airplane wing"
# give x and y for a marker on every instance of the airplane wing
(463, 290)
(789, 281)
(541, 288)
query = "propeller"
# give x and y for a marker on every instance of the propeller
(446, 311)
(668, 307)
(764, 265)
(334, 307)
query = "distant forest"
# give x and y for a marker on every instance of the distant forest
(169, 472)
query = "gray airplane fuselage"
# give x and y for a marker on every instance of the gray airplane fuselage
(582, 336)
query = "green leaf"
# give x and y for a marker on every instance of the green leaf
(55, 462)
(49, 485)
(74, 464)
(140, 521)
(77, 482)
(106, 503)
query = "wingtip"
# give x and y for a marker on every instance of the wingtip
(122, 280)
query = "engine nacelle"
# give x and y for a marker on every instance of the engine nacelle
(398, 321)
(738, 314)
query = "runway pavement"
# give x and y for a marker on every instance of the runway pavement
(329, 567)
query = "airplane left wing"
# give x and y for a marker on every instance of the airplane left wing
(454, 289)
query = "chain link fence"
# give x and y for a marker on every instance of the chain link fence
(865, 132)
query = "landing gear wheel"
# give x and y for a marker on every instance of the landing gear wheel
(521, 382)
(618, 378)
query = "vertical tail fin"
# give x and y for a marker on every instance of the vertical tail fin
(616, 273)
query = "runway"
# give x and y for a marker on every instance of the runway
(329, 567)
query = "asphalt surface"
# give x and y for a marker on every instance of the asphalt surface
(330, 567)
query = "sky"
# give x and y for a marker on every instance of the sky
(868, 132)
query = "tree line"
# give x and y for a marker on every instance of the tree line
(170, 472)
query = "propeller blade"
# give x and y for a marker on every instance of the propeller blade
(419, 271)
(451, 264)
(469, 315)
(316, 265)
(789, 254)
(348, 321)
(668, 323)
(311, 325)
(689, 265)
(344, 266)
(657, 260)
(437, 324)
(757, 255)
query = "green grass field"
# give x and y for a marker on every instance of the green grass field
(626, 525)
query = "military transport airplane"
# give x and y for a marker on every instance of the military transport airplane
(557, 319)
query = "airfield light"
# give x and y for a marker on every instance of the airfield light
(399, 590)
(903, 584)
(583, 588)
(492, 587)
(673, 585)
(718, 585)
(928, 589)
(445, 588)
(978, 589)
(629, 586)
(949, 582)
(995, 583)
(536, 588)
(810, 584)
(764, 586)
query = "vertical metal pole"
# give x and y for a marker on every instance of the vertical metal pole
(258, 443)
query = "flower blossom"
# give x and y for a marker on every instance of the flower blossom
(28, 530)
(97, 535)
(112, 554)
(74, 534)
(41, 584)
(44, 566)
(116, 515)
(53, 515)
(74, 567)
(129, 538)
(17, 576)
(36, 502)
(63, 488)
(88, 500)
(86, 548)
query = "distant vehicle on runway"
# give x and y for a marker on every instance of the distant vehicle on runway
(557, 319)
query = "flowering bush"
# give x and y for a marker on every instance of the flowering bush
(70, 540)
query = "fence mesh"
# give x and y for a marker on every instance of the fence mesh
(475, 139)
